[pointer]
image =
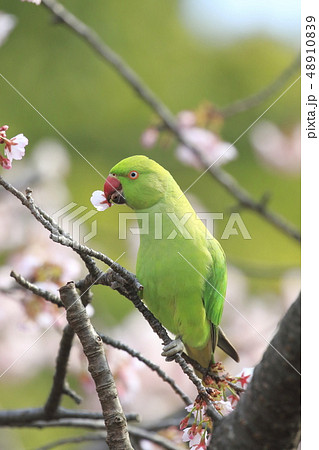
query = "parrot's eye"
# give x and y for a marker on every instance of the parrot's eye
(133, 174)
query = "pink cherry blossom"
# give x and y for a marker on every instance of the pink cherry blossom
(149, 137)
(224, 407)
(186, 119)
(211, 147)
(15, 147)
(191, 436)
(275, 149)
(99, 201)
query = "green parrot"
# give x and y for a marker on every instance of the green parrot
(180, 264)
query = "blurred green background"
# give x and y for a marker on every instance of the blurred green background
(103, 119)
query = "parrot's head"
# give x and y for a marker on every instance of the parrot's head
(137, 181)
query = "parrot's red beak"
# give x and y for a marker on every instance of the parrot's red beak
(113, 190)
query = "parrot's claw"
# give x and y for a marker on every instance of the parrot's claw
(170, 350)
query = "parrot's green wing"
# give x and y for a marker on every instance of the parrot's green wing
(214, 296)
(215, 284)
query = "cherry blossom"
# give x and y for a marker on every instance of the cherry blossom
(186, 119)
(224, 407)
(149, 137)
(15, 147)
(211, 148)
(99, 201)
(275, 149)
(190, 435)
(196, 436)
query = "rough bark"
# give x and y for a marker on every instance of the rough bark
(268, 414)
(115, 421)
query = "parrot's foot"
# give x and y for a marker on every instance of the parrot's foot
(171, 349)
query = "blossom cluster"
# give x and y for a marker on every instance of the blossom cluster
(193, 129)
(224, 396)
(14, 148)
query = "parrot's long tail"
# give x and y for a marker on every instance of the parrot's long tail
(226, 346)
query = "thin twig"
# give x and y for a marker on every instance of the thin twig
(47, 295)
(55, 228)
(223, 178)
(16, 417)
(63, 423)
(119, 345)
(84, 250)
(57, 389)
(71, 393)
(256, 99)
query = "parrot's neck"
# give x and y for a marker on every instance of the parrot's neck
(172, 218)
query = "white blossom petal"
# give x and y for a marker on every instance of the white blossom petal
(186, 119)
(212, 149)
(16, 150)
(275, 149)
(99, 201)
(7, 23)
(224, 407)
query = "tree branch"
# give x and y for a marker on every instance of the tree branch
(47, 295)
(145, 93)
(119, 345)
(58, 385)
(23, 417)
(268, 413)
(115, 421)
(84, 250)
(71, 393)
(256, 99)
